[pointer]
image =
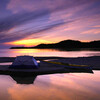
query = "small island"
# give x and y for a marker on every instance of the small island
(65, 45)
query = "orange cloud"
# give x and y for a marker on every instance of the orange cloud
(97, 26)
(92, 31)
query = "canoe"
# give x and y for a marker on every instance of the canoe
(45, 68)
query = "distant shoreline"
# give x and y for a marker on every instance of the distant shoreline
(66, 44)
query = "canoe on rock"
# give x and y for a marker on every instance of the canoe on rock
(27, 65)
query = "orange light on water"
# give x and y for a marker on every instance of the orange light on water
(29, 51)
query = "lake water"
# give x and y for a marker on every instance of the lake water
(76, 86)
(67, 86)
(48, 52)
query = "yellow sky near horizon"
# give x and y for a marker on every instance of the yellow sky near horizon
(34, 42)
(28, 42)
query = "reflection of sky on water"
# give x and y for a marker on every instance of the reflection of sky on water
(76, 86)
(8, 63)
(46, 52)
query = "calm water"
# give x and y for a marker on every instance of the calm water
(77, 86)
(47, 52)
(67, 86)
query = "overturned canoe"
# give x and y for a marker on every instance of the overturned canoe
(45, 68)
(27, 65)
(24, 62)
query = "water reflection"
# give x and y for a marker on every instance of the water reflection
(47, 52)
(53, 87)
(6, 63)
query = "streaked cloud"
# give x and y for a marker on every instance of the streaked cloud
(92, 31)
(97, 26)
(51, 20)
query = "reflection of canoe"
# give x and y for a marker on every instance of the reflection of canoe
(45, 68)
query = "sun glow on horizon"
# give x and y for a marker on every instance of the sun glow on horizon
(28, 42)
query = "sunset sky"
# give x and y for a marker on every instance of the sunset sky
(31, 22)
